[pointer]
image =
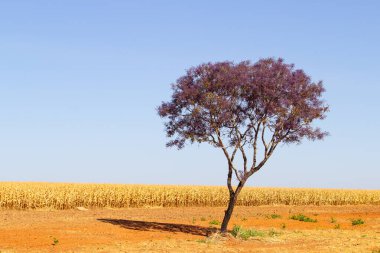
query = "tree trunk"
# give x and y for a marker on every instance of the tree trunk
(228, 212)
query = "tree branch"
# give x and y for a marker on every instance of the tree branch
(231, 165)
(261, 164)
(244, 159)
(255, 144)
(263, 139)
(213, 139)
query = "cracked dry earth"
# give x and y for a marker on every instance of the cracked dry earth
(189, 230)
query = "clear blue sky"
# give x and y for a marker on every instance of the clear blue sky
(80, 82)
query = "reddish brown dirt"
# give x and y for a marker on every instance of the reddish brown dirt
(185, 230)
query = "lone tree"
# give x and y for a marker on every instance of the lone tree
(244, 109)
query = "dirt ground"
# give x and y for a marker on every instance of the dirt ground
(189, 230)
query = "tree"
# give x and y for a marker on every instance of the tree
(244, 109)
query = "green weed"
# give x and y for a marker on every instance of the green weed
(55, 241)
(274, 216)
(357, 222)
(214, 222)
(273, 233)
(245, 234)
(301, 217)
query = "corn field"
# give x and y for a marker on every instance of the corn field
(70, 195)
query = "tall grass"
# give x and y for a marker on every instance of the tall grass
(70, 195)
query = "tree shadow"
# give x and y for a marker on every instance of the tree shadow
(169, 227)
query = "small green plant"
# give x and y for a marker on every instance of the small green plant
(214, 222)
(275, 216)
(201, 241)
(283, 225)
(245, 234)
(376, 251)
(357, 222)
(301, 217)
(337, 226)
(203, 218)
(55, 241)
(333, 220)
(194, 220)
(243, 219)
(273, 233)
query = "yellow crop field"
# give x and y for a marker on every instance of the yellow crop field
(72, 195)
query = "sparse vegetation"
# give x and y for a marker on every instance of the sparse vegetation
(274, 216)
(214, 222)
(333, 220)
(55, 241)
(70, 196)
(283, 225)
(357, 222)
(301, 217)
(337, 226)
(245, 234)
(273, 233)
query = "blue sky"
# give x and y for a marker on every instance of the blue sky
(80, 82)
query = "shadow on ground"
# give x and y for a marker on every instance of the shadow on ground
(169, 227)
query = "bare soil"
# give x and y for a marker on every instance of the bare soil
(189, 230)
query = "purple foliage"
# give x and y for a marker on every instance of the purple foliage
(217, 98)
